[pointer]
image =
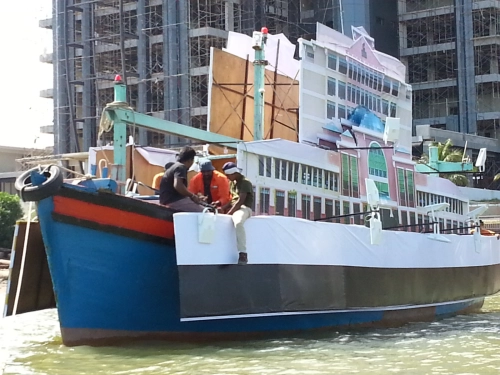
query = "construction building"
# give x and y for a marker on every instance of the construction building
(162, 49)
(451, 51)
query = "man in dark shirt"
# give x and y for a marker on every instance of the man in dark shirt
(173, 185)
(240, 206)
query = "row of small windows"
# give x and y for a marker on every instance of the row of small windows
(425, 199)
(423, 223)
(316, 177)
(298, 173)
(359, 96)
(311, 208)
(364, 75)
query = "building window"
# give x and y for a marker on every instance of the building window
(342, 112)
(280, 169)
(265, 166)
(355, 210)
(387, 86)
(329, 209)
(306, 174)
(331, 181)
(279, 203)
(342, 65)
(395, 89)
(317, 177)
(332, 62)
(268, 167)
(337, 212)
(283, 169)
(342, 92)
(346, 211)
(402, 187)
(264, 201)
(354, 176)
(317, 208)
(350, 178)
(412, 222)
(377, 169)
(292, 204)
(306, 206)
(411, 188)
(404, 220)
(293, 172)
(385, 107)
(332, 86)
(393, 110)
(345, 175)
(330, 110)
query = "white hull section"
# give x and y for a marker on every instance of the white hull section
(287, 240)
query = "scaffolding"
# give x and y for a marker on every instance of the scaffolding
(162, 49)
(452, 56)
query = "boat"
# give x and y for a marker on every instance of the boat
(346, 231)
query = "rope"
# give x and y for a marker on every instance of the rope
(106, 123)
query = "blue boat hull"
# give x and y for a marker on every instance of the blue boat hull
(110, 286)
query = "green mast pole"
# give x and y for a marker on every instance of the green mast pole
(120, 139)
(259, 41)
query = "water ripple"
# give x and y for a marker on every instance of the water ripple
(468, 345)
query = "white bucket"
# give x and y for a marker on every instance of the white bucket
(206, 226)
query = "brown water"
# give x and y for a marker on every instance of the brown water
(31, 344)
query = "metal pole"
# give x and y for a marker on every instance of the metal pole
(88, 102)
(119, 139)
(142, 66)
(259, 41)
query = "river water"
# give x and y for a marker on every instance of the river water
(31, 344)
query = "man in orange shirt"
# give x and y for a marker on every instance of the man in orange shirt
(212, 185)
(484, 231)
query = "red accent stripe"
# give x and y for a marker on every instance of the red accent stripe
(113, 217)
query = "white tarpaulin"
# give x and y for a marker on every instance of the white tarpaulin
(285, 240)
(241, 45)
(154, 156)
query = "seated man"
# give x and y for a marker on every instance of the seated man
(240, 206)
(484, 231)
(173, 185)
(212, 185)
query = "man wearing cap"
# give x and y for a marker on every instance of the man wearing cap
(212, 185)
(240, 206)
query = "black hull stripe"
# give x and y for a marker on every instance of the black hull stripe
(111, 229)
(120, 202)
(262, 289)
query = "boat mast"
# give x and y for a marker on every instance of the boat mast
(259, 42)
(119, 136)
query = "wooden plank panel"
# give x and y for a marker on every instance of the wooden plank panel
(36, 288)
(228, 95)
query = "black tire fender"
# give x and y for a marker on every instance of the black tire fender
(35, 193)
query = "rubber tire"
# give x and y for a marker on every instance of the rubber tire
(30, 193)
